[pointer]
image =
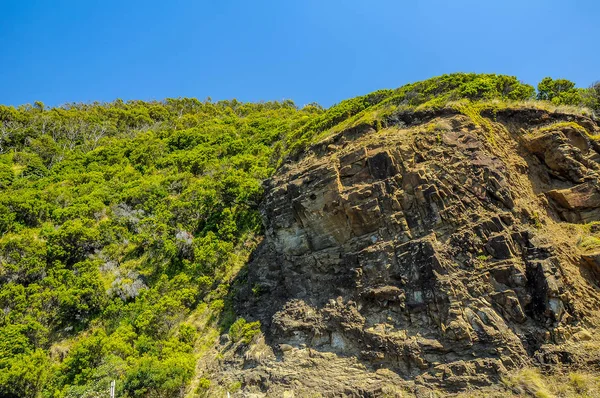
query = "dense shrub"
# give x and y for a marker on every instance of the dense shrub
(560, 92)
(116, 220)
(243, 331)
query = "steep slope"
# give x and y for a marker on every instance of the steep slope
(439, 251)
(118, 223)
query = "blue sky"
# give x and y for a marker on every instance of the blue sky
(59, 51)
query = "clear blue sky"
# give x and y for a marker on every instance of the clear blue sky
(59, 51)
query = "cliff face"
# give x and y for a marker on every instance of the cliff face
(435, 252)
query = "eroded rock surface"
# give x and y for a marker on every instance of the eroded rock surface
(423, 253)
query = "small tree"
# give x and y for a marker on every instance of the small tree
(560, 92)
(549, 88)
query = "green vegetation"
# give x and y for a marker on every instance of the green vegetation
(589, 243)
(587, 237)
(530, 382)
(563, 125)
(117, 220)
(564, 92)
(431, 93)
(243, 331)
(123, 224)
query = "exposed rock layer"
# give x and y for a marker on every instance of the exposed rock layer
(427, 252)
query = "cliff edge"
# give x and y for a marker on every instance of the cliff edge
(429, 251)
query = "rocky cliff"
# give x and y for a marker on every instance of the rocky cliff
(431, 250)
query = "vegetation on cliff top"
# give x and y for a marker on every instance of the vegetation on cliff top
(120, 221)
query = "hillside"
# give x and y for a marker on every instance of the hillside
(436, 237)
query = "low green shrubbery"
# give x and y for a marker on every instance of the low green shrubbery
(116, 221)
(243, 331)
(434, 92)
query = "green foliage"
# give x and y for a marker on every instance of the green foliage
(549, 88)
(495, 86)
(83, 358)
(72, 242)
(203, 384)
(433, 92)
(560, 92)
(116, 220)
(6, 175)
(23, 375)
(243, 331)
(563, 125)
(151, 377)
